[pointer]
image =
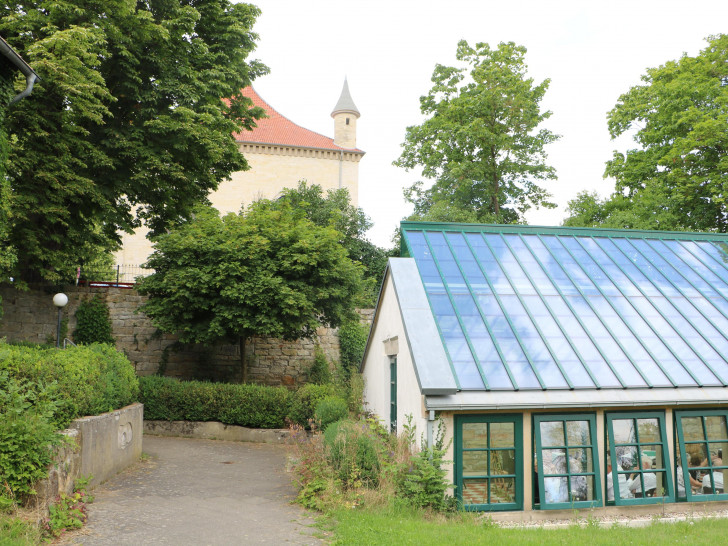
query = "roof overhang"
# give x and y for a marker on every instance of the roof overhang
(572, 399)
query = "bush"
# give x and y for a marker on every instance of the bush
(329, 410)
(352, 452)
(352, 342)
(256, 406)
(27, 435)
(305, 400)
(89, 379)
(93, 324)
(319, 372)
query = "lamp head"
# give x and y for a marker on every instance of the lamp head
(60, 300)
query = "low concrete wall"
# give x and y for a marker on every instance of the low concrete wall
(213, 430)
(99, 446)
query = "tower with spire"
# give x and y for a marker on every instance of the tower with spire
(345, 115)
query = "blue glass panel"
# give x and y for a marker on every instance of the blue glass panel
(496, 375)
(523, 375)
(550, 374)
(441, 305)
(684, 262)
(605, 376)
(529, 263)
(577, 374)
(690, 258)
(457, 347)
(468, 375)
(416, 240)
(677, 279)
(712, 256)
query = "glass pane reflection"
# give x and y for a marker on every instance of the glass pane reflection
(475, 435)
(552, 433)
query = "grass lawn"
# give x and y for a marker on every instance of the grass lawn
(17, 532)
(405, 526)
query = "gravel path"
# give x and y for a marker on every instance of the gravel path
(198, 492)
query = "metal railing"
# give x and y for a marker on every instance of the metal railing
(119, 274)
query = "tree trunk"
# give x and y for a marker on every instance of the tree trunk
(243, 360)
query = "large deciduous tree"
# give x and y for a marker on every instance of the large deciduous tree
(127, 124)
(481, 143)
(335, 209)
(678, 177)
(268, 271)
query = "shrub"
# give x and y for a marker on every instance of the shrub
(27, 434)
(257, 406)
(329, 410)
(304, 401)
(93, 324)
(352, 342)
(319, 373)
(89, 379)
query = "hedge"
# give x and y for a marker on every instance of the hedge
(84, 380)
(255, 406)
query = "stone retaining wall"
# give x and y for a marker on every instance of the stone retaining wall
(31, 316)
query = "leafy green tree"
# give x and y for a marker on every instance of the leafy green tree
(679, 172)
(126, 124)
(481, 143)
(335, 209)
(267, 271)
(7, 253)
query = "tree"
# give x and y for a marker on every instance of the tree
(127, 125)
(267, 271)
(335, 210)
(481, 144)
(679, 116)
(7, 253)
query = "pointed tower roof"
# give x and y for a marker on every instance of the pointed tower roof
(278, 129)
(346, 103)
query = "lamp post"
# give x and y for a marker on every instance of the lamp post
(59, 300)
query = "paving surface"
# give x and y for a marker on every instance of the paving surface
(201, 492)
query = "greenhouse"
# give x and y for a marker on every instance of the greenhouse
(572, 368)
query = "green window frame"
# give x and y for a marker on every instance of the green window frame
(393, 393)
(567, 461)
(703, 433)
(489, 461)
(632, 437)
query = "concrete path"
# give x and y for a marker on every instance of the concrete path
(201, 492)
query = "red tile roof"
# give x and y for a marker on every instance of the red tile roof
(277, 129)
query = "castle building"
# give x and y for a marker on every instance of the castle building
(280, 153)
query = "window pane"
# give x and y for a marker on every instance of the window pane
(475, 491)
(624, 432)
(475, 463)
(577, 433)
(692, 428)
(652, 454)
(502, 435)
(716, 427)
(627, 457)
(717, 449)
(707, 482)
(554, 461)
(555, 490)
(649, 430)
(475, 435)
(582, 488)
(502, 461)
(502, 490)
(698, 454)
(552, 433)
(580, 460)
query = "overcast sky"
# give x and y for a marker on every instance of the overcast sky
(591, 51)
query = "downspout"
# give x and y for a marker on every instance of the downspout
(30, 76)
(341, 167)
(430, 425)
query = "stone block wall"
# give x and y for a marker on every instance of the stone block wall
(31, 316)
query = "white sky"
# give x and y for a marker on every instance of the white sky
(593, 51)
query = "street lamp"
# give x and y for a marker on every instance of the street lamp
(59, 300)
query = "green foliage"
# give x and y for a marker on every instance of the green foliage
(353, 453)
(330, 410)
(69, 512)
(27, 435)
(93, 323)
(481, 143)
(256, 406)
(335, 210)
(421, 481)
(676, 178)
(305, 400)
(127, 116)
(267, 271)
(352, 342)
(15, 531)
(88, 379)
(7, 253)
(319, 373)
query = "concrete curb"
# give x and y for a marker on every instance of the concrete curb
(214, 430)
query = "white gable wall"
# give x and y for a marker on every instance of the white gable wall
(388, 325)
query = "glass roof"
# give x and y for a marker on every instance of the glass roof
(520, 307)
